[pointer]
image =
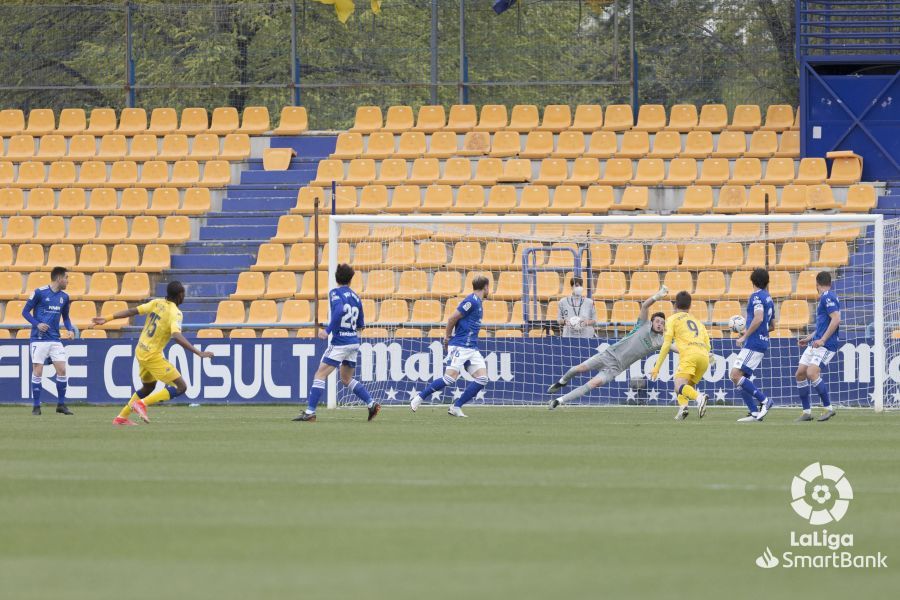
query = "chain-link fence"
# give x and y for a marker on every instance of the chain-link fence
(240, 53)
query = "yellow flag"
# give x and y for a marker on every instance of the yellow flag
(345, 8)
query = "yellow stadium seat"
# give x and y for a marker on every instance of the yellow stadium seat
(678, 281)
(29, 257)
(566, 199)
(294, 312)
(535, 199)
(732, 144)
(19, 230)
(394, 311)
(663, 257)
(393, 172)
(860, 198)
(697, 256)
(746, 117)
(813, 171)
(539, 144)
(14, 316)
(651, 117)
(493, 118)
(61, 174)
(374, 198)
(135, 287)
(41, 121)
(302, 257)
(82, 147)
(794, 256)
(847, 234)
(820, 197)
(682, 118)
(650, 171)
(466, 255)
(216, 174)
(242, 333)
(588, 118)
(713, 117)
(634, 198)
(194, 121)
(104, 201)
(603, 144)
(469, 199)
(617, 171)
(156, 258)
(208, 333)
(457, 171)
(487, 171)
(271, 257)
(498, 255)
(710, 285)
(61, 255)
(598, 199)
(185, 173)
(235, 147)
(294, 120)
(524, 118)
(368, 119)
(225, 120)
(12, 122)
(635, 144)
(478, 143)
(12, 201)
(273, 332)
(431, 119)
(666, 144)
(174, 147)
(381, 145)
(463, 117)
(833, 254)
(747, 171)
(93, 257)
(41, 201)
(743, 231)
(114, 147)
(554, 171)
(728, 256)
(123, 258)
(806, 286)
(680, 232)
(682, 172)
(779, 171)
(714, 172)
(31, 174)
(52, 147)
(327, 172)
(412, 145)
(50, 230)
(793, 314)
(72, 121)
(698, 144)
(763, 144)
(739, 287)
(399, 254)
(281, 284)
(10, 286)
(846, 168)
(406, 199)
(349, 145)
(81, 312)
(762, 199)
(629, 257)
(425, 171)
(399, 119)
(496, 312)
(779, 117)
(124, 173)
(20, 148)
(789, 145)
(379, 284)
(438, 199)
(698, 199)
(557, 118)
(426, 312)
(135, 201)
(144, 230)
(619, 117)
(570, 144)
(229, 312)
(624, 312)
(793, 199)
(144, 147)
(197, 201)
(250, 285)
(277, 159)
(133, 121)
(432, 254)
(757, 255)
(368, 254)
(445, 284)
(103, 287)
(163, 121)
(72, 201)
(732, 200)
(255, 120)
(723, 310)
(176, 229)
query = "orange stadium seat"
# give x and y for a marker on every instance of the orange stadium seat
(651, 117)
(72, 121)
(714, 172)
(539, 144)
(103, 287)
(650, 171)
(763, 144)
(368, 119)
(19, 230)
(431, 119)
(635, 144)
(29, 257)
(124, 173)
(697, 256)
(123, 258)
(793, 314)
(216, 174)
(50, 229)
(731, 144)
(194, 121)
(487, 171)
(41, 121)
(698, 144)
(789, 145)
(666, 144)
(566, 199)
(20, 148)
(154, 173)
(713, 117)
(682, 172)
(588, 118)
(493, 118)
(176, 229)
(746, 117)
(41, 201)
(294, 120)
(132, 121)
(61, 255)
(135, 287)
(185, 173)
(779, 171)
(682, 118)
(10, 286)
(52, 147)
(463, 117)
(144, 146)
(225, 120)
(163, 121)
(779, 117)
(619, 117)
(747, 171)
(229, 312)
(570, 144)
(602, 144)
(92, 257)
(523, 118)
(478, 143)
(698, 199)
(281, 284)
(399, 119)
(812, 171)
(12, 121)
(255, 120)
(557, 118)
(412, 145)
(174, 147)
(860, 198)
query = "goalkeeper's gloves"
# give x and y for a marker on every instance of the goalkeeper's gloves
(662, 293)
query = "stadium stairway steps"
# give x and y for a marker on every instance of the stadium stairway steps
(889, 201)
(229, 239)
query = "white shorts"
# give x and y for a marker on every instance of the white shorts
(816, 356)
(747, 360)
(41, 350)
(341, 355)
(468, 359)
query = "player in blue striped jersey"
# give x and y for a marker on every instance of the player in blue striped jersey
(754, 343)
(461, 343)
(347, 319)
(821, 346)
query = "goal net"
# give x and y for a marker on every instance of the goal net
(413, 271)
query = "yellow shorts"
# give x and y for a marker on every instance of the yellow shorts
(157, 368)
(692, 365)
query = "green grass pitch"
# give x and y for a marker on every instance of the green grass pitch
(225, 502)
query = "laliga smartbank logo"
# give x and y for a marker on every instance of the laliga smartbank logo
(820, 495)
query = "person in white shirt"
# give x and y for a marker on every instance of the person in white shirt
(577, 314)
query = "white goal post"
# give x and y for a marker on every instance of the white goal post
(863, 234)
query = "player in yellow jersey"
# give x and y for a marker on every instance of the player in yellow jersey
(693, 344)
(163, 323)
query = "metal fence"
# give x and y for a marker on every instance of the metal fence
(235, 53)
